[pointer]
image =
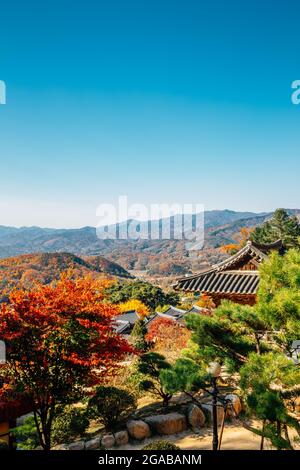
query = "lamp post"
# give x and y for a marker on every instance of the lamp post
(215, 370)
(296, 352)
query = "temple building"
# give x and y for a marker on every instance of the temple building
(236, 278)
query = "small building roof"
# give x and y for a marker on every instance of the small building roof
(174, 312)
(131, 317)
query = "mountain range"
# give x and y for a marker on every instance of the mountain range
(24, 270)
(155, 257)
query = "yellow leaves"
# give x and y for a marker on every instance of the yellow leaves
(136, 305)
(206, 302)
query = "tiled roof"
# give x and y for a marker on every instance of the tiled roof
(226, 277)
(130, 317)
(124, 323)
(181, 314)
(226, 282)
(174, 312)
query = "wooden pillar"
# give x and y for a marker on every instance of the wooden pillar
(4, 432)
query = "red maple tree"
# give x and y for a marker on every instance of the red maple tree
(59, 339)
(168, 336)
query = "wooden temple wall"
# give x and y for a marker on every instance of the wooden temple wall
(242, 299)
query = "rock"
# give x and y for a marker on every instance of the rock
(297, 405)
(220, 412)
(171, 423)
(236, 408)
(138, 429)
(121, 438)
(21, 419)
(195, 416)
(93, 444)
(78, 445)
(60, 447)
(108, 441)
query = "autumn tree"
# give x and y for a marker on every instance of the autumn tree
(59, 340)
(167, 336)
(206, 302)
(240, 240)
(134, 305)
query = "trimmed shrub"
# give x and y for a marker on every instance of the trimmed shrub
(161, 445)
(26, 434)
(68, 424)
(151, 365)
(111, 405)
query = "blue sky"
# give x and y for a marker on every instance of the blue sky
(162, 101)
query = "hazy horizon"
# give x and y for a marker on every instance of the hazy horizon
(256, 213)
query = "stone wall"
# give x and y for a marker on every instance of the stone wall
(192, 416)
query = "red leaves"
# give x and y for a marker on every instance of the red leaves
(56, 330)
(167, 334)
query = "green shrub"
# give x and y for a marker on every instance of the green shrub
(111, 405)
(3, 445)
(26, 434)
(68, 424)
(150, 295)
(160, 445)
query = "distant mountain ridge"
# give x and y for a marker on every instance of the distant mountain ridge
(159, 257)
(24, 270)
(15, 241)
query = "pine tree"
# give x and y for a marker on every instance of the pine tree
(269, 381)
(256, 343)
(151, 365)
(138, 336)
(281, 226)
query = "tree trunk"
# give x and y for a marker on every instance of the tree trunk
(262, 442)
(46, 417)
(257, 339)
(166, 400)
(278, 426)
(37, 425)
(287, 437)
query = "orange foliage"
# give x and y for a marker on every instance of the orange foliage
(59, 339)
(38, 325)
(206, 302)
(241, 239)
(167, 335)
